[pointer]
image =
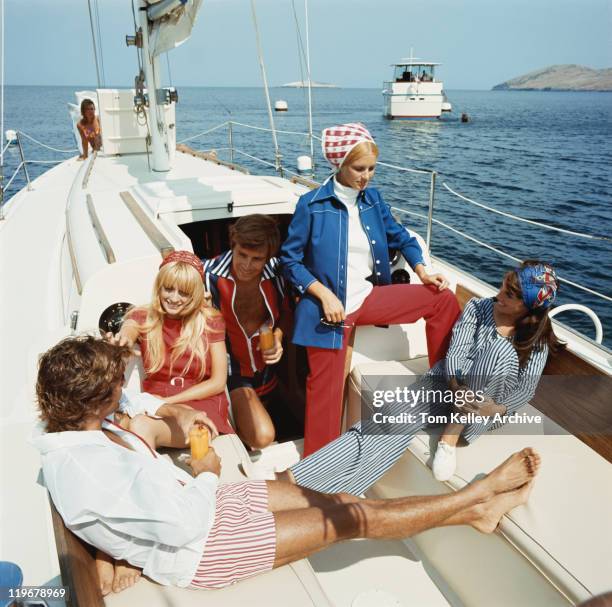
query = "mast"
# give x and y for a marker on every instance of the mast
(312, 161)
(157, 122)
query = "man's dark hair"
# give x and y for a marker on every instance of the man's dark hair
(254, 231)
(76, 378)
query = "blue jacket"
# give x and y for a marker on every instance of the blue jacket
(316, 248)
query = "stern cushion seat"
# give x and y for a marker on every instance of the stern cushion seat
(567, 516)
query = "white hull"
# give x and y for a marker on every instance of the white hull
(414, 100)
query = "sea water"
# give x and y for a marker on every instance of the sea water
(544, 156)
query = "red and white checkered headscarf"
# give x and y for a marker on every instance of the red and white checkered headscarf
(338, 141)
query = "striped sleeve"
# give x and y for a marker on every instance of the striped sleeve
(463, 338)
(529, 378)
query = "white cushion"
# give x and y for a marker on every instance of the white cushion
(565, 528)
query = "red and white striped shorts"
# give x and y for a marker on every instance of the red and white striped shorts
(242, 541)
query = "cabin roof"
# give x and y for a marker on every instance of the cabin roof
(413, 61)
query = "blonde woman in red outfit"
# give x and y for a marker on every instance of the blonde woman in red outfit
(182, 341)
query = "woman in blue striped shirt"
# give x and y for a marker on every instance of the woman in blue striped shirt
(499, 348)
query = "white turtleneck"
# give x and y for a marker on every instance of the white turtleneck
(359, 262)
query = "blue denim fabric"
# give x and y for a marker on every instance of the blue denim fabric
(316, 248)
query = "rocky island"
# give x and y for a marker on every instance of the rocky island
(561, 78)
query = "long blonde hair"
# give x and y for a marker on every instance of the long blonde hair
(195, 316)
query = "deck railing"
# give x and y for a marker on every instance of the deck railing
(431, 175)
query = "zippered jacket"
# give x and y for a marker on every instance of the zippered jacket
(316, 248)
(244, 357)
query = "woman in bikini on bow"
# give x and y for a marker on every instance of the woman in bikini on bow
(89, 128)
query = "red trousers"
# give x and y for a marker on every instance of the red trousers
(388, 305)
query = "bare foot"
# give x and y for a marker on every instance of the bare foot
(125, 576)
(106, 572)
(490, 513)
(520, 468)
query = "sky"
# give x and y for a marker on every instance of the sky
(480, 43)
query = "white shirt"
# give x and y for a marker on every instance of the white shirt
(133, 505)
(359, 259)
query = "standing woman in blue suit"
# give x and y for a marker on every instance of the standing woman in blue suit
(336, 255)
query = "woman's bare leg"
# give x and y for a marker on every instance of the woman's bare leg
(481, 504)
(451, 433)
(253, 423)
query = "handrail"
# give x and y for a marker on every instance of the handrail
(164, 244)
(215, 128)
(99, 230)
(587, 311)
(161, 243)
(503, 253)
(6, 187)
(44, 145)
(210, 156)
(531, 221)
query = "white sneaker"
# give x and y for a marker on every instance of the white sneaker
(445, 462)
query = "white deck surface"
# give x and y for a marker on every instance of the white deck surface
(32, 320)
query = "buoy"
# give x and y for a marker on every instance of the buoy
(281, 105)
(11, 136)
(465, 117)
(304, 164)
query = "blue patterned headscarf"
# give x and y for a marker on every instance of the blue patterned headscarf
(539, 285)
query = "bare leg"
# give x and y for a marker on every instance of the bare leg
(106, 572)
(481, 505)
(288, 496)
(253, 422)
(451, 434)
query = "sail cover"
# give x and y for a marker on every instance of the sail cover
(173, 29)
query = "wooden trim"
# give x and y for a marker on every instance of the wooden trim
(161, 243)
(99, 230)
(73, 261)
(89, 169)
(303, 181)
(211, 157)
(77, 565)
(463, 295)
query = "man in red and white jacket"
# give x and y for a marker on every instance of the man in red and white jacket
(246, 286)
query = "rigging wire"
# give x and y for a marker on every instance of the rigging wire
(97, 15)
(169, 70)
(93, 41)
(277, 153)
(312, 160)
(300, 47)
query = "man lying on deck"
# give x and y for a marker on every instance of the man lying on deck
(115, 492)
